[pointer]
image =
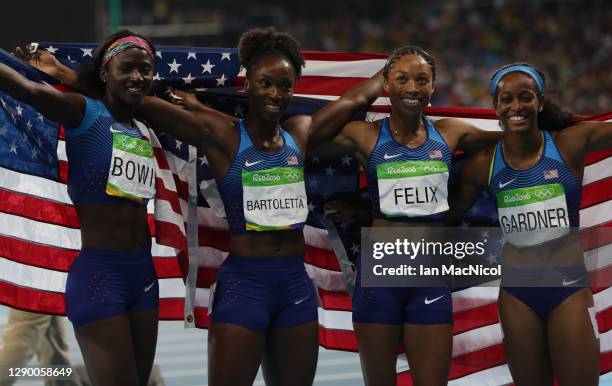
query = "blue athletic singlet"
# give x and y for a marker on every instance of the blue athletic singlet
(413, 180)
(89, 148)
(537, 205)
(407, 185)
(547, 195)
(263, 191)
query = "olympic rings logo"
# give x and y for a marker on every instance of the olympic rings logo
(292, 176)
(544, 193)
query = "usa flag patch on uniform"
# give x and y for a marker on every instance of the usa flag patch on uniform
(550, 174)
(435, 154)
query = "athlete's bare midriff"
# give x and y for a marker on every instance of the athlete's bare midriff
(114, 226)
(277, 244)
(563, 252)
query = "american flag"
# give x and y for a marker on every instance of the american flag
(39, 236)
(550, 174)
(39, 230)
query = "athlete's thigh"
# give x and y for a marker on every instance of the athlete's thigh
(525, 342)
(108, 352)
(429, 349)
(378, 350)
(234, 354)
(574, 350)
(144, 325)
(291, 355)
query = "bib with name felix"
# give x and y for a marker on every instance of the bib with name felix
(538, 204)
(409, 182)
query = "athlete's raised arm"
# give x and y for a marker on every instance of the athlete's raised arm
(586, 136)
(327, 122)
(198, 126)
(66, 108)
(599, 135)
(203, 127)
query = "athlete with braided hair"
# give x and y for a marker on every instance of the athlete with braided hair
(421, 318)
(535, 174)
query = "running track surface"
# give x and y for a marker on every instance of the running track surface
(181, 355)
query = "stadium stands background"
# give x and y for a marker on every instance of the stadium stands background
(571, 40)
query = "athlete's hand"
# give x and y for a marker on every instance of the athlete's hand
(186, 100)
(40, 59)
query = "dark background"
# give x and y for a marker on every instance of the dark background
(571, 40)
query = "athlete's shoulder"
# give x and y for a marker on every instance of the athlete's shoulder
(299, 127)
(453, 125)
(298, 123)
(571, 142)
(361, 128)
(448, 123)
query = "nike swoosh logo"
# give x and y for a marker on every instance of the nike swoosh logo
(300, 301)
(501, 186)
(147, 288)
(114, 130)
(248, 164)
(387, 156)
(427, 301)
(566, 283)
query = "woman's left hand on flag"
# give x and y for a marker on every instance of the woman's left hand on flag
(42, 60)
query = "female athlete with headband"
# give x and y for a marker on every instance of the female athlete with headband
(536, 172)
(112, 294)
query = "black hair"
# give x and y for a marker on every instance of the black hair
(409, 50)
(259, 42)
(89, 74)
(552, 117)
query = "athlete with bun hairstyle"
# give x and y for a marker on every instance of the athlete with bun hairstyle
(265, 305)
